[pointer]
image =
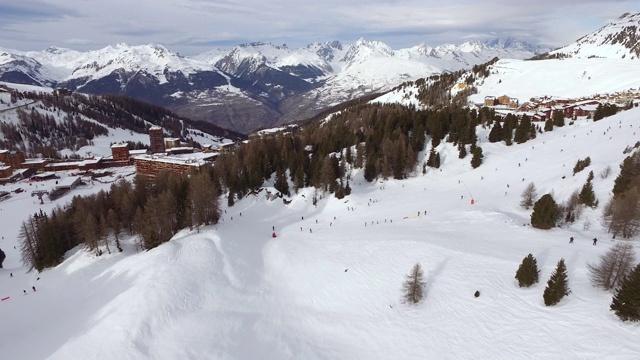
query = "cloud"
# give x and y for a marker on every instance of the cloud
(194, 26)
(29, 11)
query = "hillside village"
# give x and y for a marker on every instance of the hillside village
(544, 108)
(164, 153)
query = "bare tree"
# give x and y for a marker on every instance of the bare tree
(529, 196)
(622, 214)
(203, 201)
(614, 265)
(414, 285)
(28, 243)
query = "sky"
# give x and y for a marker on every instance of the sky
(195, 26)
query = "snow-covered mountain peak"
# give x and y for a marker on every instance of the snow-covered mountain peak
(362, 49)
(616, 40)
(241, 57)
(56, 50)
(327, 51)
(472, 46)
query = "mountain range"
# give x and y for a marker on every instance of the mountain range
(258, 85)
(251, 85)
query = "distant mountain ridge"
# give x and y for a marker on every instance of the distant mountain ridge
(252, 85)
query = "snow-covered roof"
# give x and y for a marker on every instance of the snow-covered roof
(44, 175)
(192, 159)
(34, 161)
(138, 152)
(119, 145)
(67, 182)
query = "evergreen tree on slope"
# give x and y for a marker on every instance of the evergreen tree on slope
(528, 272)
(626, 302)
(557, 286)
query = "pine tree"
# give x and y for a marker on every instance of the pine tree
(558, 119)
(629, 172)
(548, 125)
(626, 301)
(587, 196)
(528, 272)
(281, 184)
(414, 285)
(496, 134)
(545, 213)
(433, 160)
(523, 130)
(462, 151)
(557, 286)
(476, 160)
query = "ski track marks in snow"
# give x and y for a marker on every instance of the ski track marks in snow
(232, 291)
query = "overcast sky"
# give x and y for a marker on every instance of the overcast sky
(195, 26)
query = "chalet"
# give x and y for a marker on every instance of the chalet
(507, 101)
(585, 110)
(490, 101)
(539, 116)
(527, 106)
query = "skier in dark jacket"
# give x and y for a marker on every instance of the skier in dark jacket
(595, 241)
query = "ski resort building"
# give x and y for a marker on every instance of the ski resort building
(156, 140)
(12, 158)
(5, 171)
(152, 164)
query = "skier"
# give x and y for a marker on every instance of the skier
(595, 241)
(571, 240)
(11, 275)
(34, 288)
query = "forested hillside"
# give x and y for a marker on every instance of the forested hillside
(45, 123)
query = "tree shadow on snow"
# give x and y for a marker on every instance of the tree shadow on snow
(434, 274)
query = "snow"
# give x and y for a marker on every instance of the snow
(571, 78)
(328, 288)
(568, 78)
(616, 40)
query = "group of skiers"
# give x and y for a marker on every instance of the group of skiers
(595, 240)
